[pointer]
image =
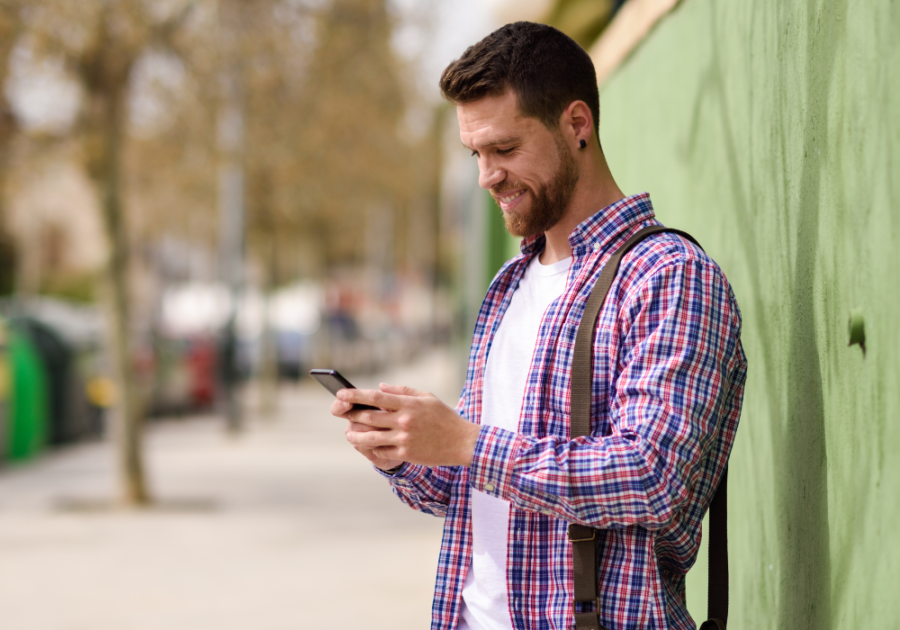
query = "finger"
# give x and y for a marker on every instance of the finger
(373, 397)
(384, 463)
(340, 409)
(368, 439)
(385, 452)
(373, 419)
(401, 390)
(362, 428)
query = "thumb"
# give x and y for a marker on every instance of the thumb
(400, 390)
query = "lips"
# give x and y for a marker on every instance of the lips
(509, 199)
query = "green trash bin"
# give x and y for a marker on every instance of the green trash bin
(27, 425)
(67, 403)
(5, 377)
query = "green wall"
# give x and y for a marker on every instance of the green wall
(771, 131)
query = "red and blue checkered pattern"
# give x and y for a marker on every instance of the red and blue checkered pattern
(668, 382)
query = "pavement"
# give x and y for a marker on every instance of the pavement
(282, 528)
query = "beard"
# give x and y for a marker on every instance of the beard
(549, 201)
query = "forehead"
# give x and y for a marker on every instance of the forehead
(492, 119)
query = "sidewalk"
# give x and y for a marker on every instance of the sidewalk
(284, 528)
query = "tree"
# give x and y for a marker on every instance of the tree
(102, 41)
(355, 156)
(324, 155)
(582, 20)
(10, 29)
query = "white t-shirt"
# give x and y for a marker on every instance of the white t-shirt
(485, 604)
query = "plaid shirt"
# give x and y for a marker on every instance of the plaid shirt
(668, 382)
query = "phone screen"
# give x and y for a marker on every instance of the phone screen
(334, 381)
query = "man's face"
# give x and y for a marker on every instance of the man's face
(528, 169)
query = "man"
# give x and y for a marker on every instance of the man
(668, 372)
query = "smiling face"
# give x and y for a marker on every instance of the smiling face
(528, 169)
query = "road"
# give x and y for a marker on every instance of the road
(282, 528)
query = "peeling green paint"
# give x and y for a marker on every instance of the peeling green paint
(771, 131)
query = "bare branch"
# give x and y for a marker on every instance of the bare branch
(164, 33)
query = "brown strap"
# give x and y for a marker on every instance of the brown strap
(586, 541)
(582, 372)
(717, 604)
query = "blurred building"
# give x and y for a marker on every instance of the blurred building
(53, 217)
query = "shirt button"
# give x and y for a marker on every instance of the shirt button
(547, 512)
(596, 247)
(489, 487)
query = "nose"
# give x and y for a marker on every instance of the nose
(489, 174)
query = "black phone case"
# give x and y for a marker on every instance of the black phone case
(334, 381)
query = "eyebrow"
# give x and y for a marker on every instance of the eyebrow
(493, 143)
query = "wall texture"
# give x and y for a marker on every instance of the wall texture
(770, 129)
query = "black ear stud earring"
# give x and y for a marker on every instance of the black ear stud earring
(582, 143)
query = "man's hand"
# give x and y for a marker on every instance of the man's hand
(343, 410)
(410, 426)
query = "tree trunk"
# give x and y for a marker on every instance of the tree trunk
(10, 26)
(268, 385)
(231, 204)
(231, 240)
(8, 258)
(109, 131)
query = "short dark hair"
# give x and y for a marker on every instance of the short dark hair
(545, 68)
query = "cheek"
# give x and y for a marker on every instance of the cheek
(523, 174)
(536, 170)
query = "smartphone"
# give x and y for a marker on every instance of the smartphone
(334, 381)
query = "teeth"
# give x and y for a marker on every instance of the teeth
(509, 198)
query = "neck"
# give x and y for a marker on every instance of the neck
(595, 189)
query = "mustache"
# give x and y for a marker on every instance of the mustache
(502, 188)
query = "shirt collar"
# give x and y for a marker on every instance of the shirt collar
(602, 227)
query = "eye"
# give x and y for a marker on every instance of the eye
(474, 153)
(505, 151)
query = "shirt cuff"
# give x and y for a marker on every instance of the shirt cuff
(406, 474)
(393, 472)
(494, 460)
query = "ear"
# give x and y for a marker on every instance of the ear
(577, 123)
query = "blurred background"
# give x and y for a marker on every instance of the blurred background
(197, 195)
(202, 199)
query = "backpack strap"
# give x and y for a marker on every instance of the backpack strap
(586, 540)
